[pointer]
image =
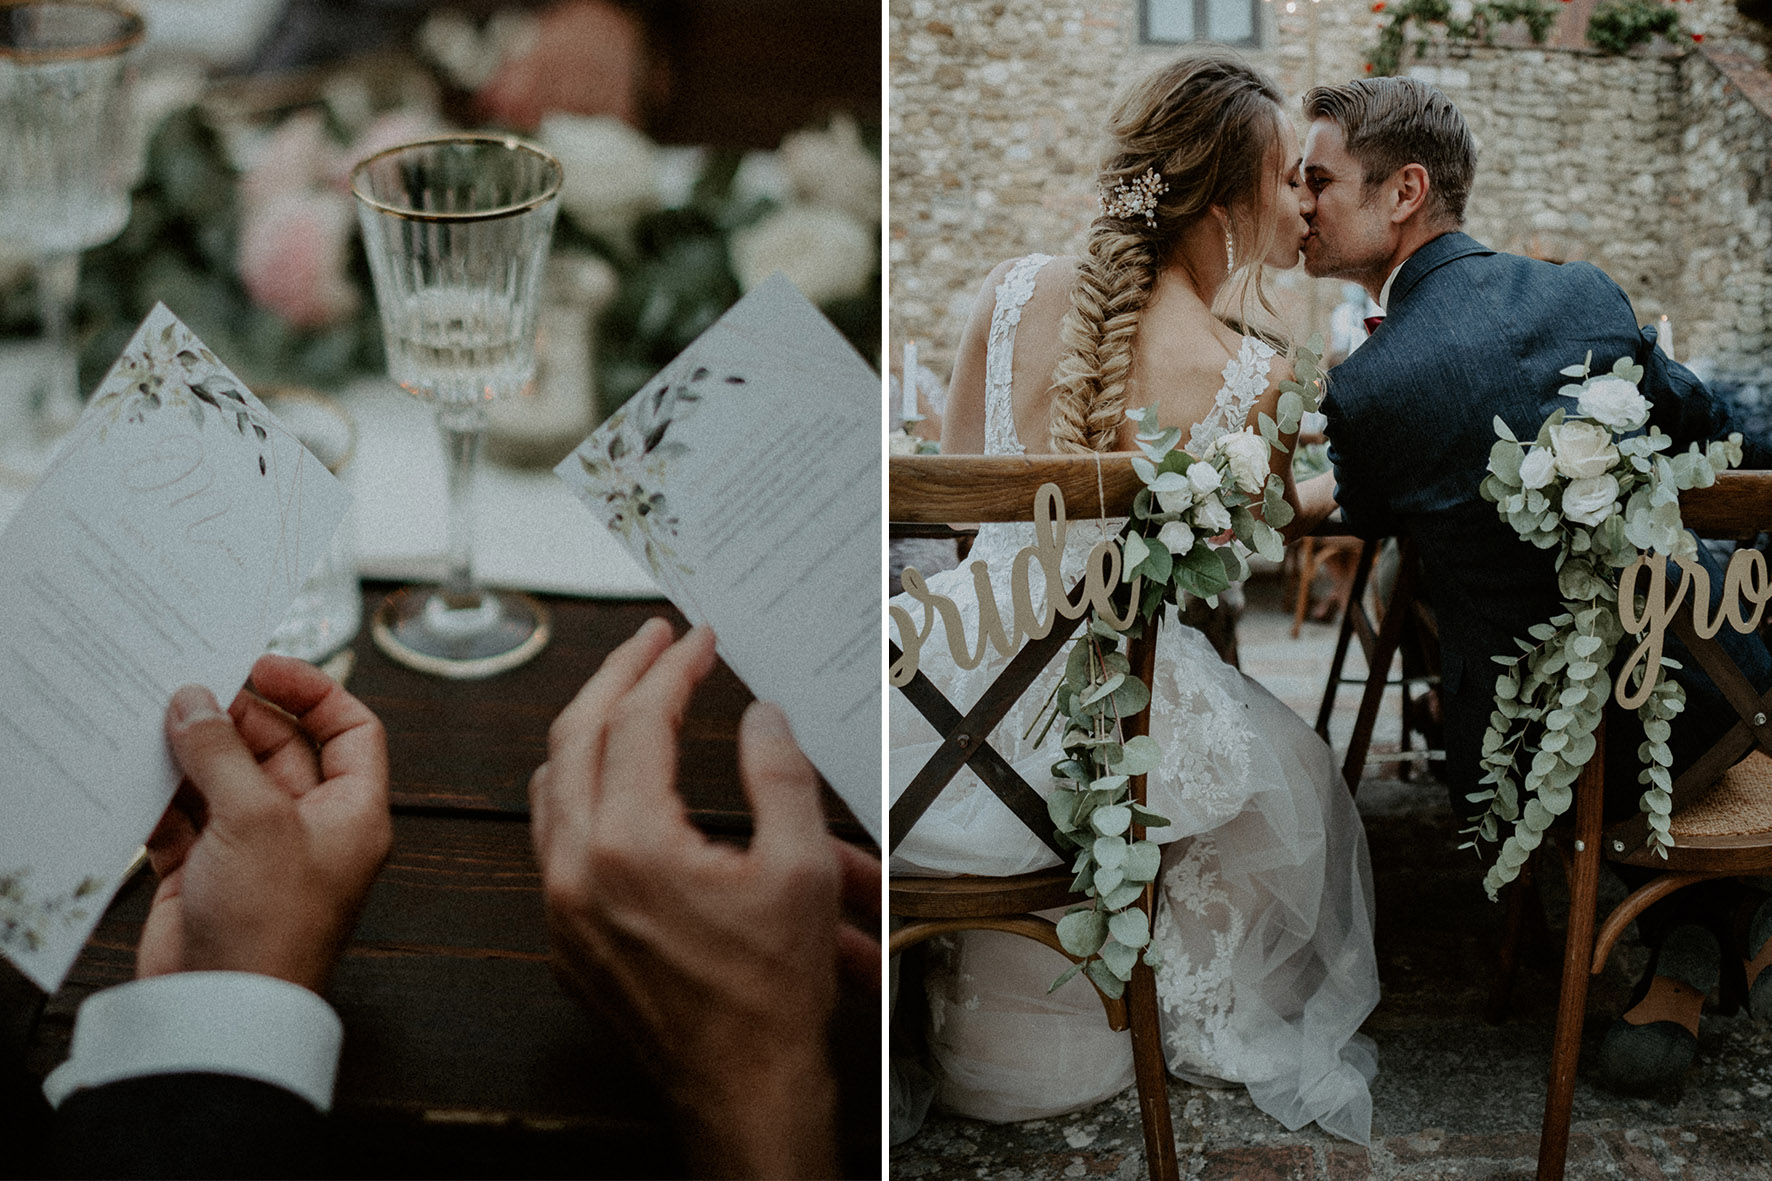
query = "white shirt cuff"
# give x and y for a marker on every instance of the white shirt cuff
(236, 1023)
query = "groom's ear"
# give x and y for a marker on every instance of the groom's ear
(1408, 189)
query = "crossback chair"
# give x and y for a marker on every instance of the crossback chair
(1721, 823)
(929, 490)
(1402, 624)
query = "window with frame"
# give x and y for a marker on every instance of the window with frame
(1228, 22)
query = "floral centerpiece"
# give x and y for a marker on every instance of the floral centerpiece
(1601, 493)
(1192, 528)
(243, 223)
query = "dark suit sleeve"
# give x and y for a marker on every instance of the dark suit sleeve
(1684, 409)
(187, 1125)
(1359, 489)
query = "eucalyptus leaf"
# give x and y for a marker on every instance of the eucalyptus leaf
(1112, 820)
(1130, 927)
(1139, 755)
(1103, 978)
(1082, 932)
(1119, 958)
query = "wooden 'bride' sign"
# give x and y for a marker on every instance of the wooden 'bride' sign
(1745, 582)
(1101, 575)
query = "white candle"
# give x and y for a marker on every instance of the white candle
(1666, 337)
(909, 382)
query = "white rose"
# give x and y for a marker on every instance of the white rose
(832, 167)
(826, 253)
(1591, 500)
(611, 170)
(1177, 537)
(1463, 11)
(1584, 449)
(1616, 403)
(1246, 454)
(1176, 502)
(1538, 467)
(1203, 478)
(1212, 515)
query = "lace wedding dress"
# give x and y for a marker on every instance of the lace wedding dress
(1264, 918)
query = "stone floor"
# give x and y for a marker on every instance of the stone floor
(1454, 1097)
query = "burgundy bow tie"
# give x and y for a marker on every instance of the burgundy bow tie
(1372, 323)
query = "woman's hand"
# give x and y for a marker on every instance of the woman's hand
(275, 835)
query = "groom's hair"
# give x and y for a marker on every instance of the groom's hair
(1390, 122)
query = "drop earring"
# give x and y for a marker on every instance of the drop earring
(1230, 251)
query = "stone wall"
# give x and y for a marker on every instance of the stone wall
(1725, 289)
(1654, 167)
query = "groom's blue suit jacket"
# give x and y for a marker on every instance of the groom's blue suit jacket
(1470, 334)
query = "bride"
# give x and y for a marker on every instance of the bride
(1264, 916)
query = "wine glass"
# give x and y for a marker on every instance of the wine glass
(457, 232)
(67, 155)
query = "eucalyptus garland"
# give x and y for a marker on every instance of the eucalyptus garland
(1191, 529)
(1602, 494)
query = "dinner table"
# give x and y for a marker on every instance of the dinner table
(462, 1055)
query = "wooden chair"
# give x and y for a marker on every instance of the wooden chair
(1722, 820)
(927, 489)
(1401, 623)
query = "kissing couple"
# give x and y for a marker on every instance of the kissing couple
(1264, 916)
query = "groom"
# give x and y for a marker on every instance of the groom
(1469, 334)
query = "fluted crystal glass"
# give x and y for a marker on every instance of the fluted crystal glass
(68, 152)
(457, 232)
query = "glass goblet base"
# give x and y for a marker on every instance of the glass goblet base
(463, 637)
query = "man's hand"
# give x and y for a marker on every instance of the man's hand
(721, 963)
(276, 833)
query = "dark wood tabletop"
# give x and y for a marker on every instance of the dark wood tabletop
(462, 1056)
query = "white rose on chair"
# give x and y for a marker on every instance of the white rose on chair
(1614, 402)
(1212, 515)
(1203, 478)
(1177, 537)
(824, 252)
(1590, 500)
(1584, 449)
(1538, 468)
(1246, 456)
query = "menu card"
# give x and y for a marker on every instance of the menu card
(161, 548)
(746, 477)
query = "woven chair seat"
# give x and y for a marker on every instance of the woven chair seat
(1738, 804)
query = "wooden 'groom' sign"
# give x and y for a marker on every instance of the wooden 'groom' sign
(1745, 582)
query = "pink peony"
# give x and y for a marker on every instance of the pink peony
(293, 254)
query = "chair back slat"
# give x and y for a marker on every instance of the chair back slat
(1001, 487)
(1739, 504)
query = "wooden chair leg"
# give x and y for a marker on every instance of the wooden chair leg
(1356, 595)
(1378, 673)
(1152, 1075)
(1578, 952)
(1307, 573)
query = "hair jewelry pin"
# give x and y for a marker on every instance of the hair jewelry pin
(1136, 197)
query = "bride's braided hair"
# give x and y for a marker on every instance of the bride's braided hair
(1208, 124)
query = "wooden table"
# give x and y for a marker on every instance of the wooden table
(462, 1056)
